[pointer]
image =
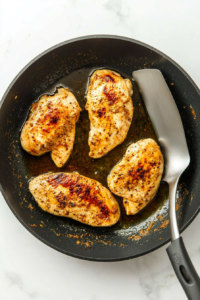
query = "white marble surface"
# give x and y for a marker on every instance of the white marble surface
(28, 268)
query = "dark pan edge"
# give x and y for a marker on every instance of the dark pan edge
(35, 59)
(88, 258)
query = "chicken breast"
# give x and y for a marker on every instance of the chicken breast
(51, 126)
(137, 176)
(110, 110)
(77, 197)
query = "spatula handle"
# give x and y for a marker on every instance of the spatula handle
(184, 269)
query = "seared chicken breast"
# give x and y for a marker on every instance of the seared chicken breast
(51, 126)
(137, 176)
(110, 110)
(77, 197)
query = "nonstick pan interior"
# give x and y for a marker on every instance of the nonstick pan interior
(127, 239)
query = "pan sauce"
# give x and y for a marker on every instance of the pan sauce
(99, 169)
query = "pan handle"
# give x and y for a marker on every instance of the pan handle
(184, 269)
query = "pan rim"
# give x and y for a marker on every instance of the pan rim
(24, 69)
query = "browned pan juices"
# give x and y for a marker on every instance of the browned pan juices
(99, 169)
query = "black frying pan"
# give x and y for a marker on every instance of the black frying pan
(69, 64)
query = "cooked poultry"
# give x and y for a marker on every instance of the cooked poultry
(51, 126)
(110, 110)
(137, 176)
(77, 197)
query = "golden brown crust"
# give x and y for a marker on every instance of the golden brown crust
(51, 126)
(110, 110)
(137, 177)
(75, 196)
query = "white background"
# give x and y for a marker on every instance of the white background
(28, 268)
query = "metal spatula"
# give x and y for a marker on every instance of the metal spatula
(167, 123)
